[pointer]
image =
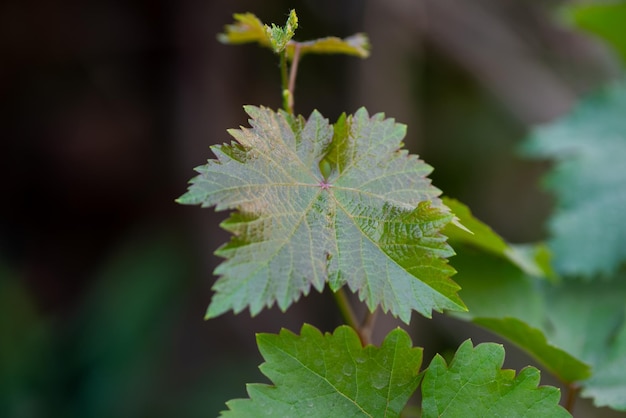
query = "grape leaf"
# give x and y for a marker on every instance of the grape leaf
(585, 321)
(474, 385)
(248, 29)
(501, 298)
(589, 320)
(357, 45)
(589, 146)
(500, 295)
(317, 375)
(318, 203)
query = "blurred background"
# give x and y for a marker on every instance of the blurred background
(108, 105)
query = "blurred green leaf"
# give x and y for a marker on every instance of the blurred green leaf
(317, 375)
(584, 321)
(532, 259)
(118, 343)
(501, 298)
(604, 19)
(560, 363)
(494, 288)
(477, 233)
(474, 385)
(588, 232)
(26, 349)
(589, 321)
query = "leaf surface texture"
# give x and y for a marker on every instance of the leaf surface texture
(318, 203)
(316, 375)
(474, 385)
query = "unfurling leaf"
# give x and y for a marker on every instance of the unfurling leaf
(279, 36)
(249, 29)
(317, 375)
(474, 385)
(371, 220)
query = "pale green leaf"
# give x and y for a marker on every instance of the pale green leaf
(247, 28)
(317, 375)
(373, 222)
(474, 385)
(357, 45)
(588, 229)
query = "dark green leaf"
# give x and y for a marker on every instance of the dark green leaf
(474, 385)
(532, 259)
(317, 375)
(503, 299)
(373, 221)
(585, 322)
(492, 287)
(562, 364)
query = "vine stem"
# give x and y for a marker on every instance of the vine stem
(288, 75)
(293, 72)
(571, 395)
(364, 330)
(345, 309)
(284, 78)
(367, 326)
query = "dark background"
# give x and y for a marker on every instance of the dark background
(108, 105)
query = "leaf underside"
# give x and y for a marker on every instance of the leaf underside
(369, 218)
(474, 385)
(317, 375)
